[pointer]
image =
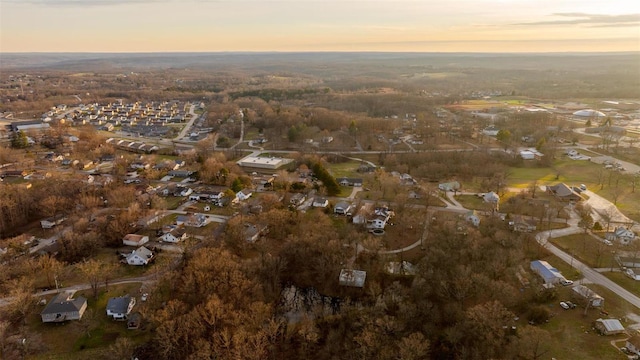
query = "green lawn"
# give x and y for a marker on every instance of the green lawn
(587, 249)
(69, 341)
(624, 281)
(345, 169)
(573, 173)
(472, 202)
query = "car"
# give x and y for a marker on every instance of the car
(571, 305)
(583, 187)
(566, 282)
(144, 297)
(607, 242)
(564, 305)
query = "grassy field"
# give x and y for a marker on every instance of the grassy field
(579, 172)
(345, 169)
(70, 341)
(587, 249)
(571, 331)
(624, 281)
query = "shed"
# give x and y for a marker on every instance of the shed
(353, 278)
(609, 326)
(589, 295)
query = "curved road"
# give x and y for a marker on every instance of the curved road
(588, 273)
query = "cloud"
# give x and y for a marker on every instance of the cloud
(83, 3)
(591, 20)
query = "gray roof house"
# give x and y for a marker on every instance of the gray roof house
(63, 307)
(342, 208)
(140, 256)
(119, 308)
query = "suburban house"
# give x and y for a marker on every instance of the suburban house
(135, 240)
(382, 216)
(609, 326)
(175, 235)
(193, 220)
(349, 181)
(342, 208)
(530, 154)
(491, 198)
(630, 262)
(320, 202)
(63, 307)
(352, 278)
(180, 173)
(522, 224)
(140, 256)
(450, 186)
(624, 236)
(584, 293)
(548, 273)
(253, 232)
(563, 192)
(119, 308)
(243, 194)
(473, 218)
(633, 273)
(51, 222)
(633, 344)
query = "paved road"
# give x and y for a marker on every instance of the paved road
(589, 274)
(187, 127)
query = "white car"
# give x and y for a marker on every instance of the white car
(566, 282)
(144, 297)
(564, 305)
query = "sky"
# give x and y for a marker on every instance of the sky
(319, 25)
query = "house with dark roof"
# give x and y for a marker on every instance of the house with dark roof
(120, 307)
(563, 192)
(63, 307)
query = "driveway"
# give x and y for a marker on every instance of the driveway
(603, 207)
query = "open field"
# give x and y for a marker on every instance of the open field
(623, 280)
(587, 249)
(70, 341)
(572, 173)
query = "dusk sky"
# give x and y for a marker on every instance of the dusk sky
(315, 25)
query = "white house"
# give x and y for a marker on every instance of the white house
(382, 215)
(450, 186)
(135, 240)
(243, 194)
(633, 344)
(140, 256)
(119, 308)
(320, 202)
(176, 235)
(342, 208)
(633, 273)
(194, 220)
(624, 236)
(51, 222)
